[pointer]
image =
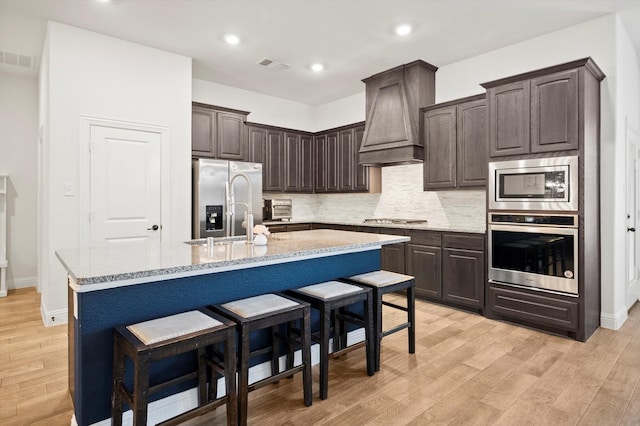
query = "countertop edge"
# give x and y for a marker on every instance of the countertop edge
(410, 226)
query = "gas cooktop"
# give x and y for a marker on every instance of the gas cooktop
(395, 221)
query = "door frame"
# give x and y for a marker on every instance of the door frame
(632, 129)
(84, 173)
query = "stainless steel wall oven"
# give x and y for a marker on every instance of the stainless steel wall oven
(537, 251)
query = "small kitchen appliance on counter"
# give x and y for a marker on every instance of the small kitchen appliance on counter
(277, 209)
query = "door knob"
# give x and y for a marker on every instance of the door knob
(631, 229)
(153, 228)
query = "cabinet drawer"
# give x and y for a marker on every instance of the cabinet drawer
(392, 231)
(298, 227)
(463, 241)
(541, 309)
(427, 238)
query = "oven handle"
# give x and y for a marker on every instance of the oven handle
(534, 229)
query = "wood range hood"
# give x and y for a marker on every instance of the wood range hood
(393, 100)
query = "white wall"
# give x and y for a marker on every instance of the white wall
(103, 77)
(264, 109)
(18, 158)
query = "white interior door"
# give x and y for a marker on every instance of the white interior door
(125, 185)
(633, 285)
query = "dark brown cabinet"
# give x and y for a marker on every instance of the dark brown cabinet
(273, 167)
(346, 161)
(256, 139)
(539, 111)
(509, 119)
(463, 278)
(298, 162)
(218, 133)
(455, 140)
(424, 263)
(554, 112)
(336, 162)
(289, 227)
(448, 267)
(392, 257)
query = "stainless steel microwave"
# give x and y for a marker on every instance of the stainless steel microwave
(534, 184)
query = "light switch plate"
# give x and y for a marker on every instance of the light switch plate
(69, 190)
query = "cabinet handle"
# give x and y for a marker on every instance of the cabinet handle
(631, 229)
(153, 228)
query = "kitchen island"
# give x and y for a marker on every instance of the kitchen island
(126, 284)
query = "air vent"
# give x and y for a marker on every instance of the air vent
(273, 65)
(15, 59)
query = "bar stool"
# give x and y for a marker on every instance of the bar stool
(261, 312)
(149, 341)
(383, 282)
(328, 298)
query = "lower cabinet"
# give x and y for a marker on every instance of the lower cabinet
(447, 266)
(555, 311)
(289, 227)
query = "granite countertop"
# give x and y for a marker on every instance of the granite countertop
(101, 267)
(473, 229)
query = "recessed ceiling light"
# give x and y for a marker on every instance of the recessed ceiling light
(232, 39)
(317, 67)
(403, 29)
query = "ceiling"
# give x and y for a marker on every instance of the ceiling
(353, 38)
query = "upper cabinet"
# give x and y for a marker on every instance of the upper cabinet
(256, 139)
(218, 132)
(336, 162)
(455, 141)
(273, 166)
(393, 100)
(539, 111)
(288, 161)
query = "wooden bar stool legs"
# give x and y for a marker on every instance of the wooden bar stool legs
(328, 298)
(262, 312)
(383, 282)
(150, 341)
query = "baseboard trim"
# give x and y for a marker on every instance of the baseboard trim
(173, 405)
(54, 316)
(22, 283)
(613, 321)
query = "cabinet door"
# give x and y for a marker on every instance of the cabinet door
(273, 169)
(392, 256)
(472, 143)
(256, 140)
(320, 170)
(424, 263)
(554, 112)
(345, 161)
(291, 162)
(203, 130)
(509, 119)
(332, 162)
(440, 148)
(231, 144)
(306, 164)
(361, 178)
(463, 277)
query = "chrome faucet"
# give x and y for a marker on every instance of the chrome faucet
(248, 214)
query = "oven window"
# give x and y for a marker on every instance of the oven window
(541, 185)
(538, 253)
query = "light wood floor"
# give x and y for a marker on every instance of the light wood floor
(466, 370)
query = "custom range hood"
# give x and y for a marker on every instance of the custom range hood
(394, 98)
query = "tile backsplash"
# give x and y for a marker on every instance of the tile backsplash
(402, 197)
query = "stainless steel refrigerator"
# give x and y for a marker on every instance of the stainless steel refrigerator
(220, 187)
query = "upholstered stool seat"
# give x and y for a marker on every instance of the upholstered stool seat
(262, 312)
(383, 282)
(332, 298)
(153, 340)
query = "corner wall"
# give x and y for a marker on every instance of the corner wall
(93, 75)
(18, 158)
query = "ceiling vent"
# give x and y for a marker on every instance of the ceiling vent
(15, 59)
(273, 65)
